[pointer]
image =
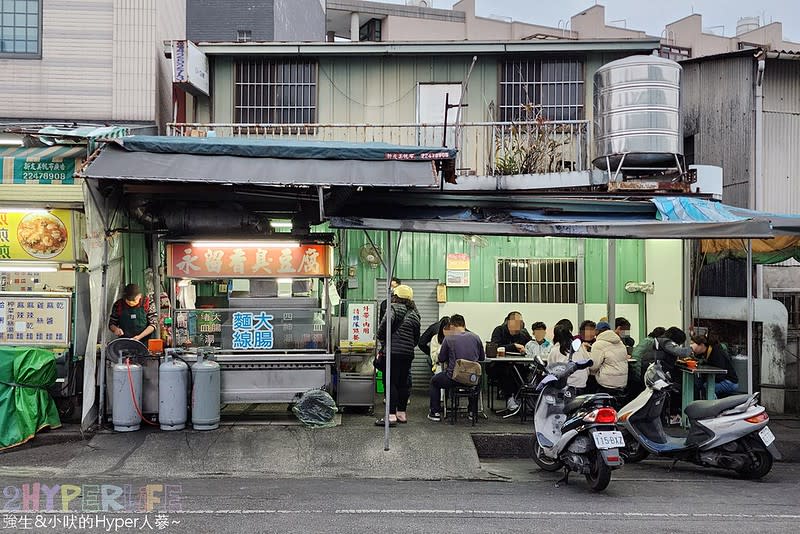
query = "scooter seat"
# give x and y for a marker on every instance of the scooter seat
(575, 404)
(704, 409)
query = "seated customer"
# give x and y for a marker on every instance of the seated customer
(431, 341)
(645, 346)
(622, 327)
(538, 346)
(459, 345)
(512, 336)
(715, 355)
(666, 350)
(562, 352)
(610, 361)
(587, 333)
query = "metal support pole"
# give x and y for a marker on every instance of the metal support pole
(103, 336)
(387, 373)
(750, 316)
(612, 281)
(687, 303)
(156, 262)
(581, 280)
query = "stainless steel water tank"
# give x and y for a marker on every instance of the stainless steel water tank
(206, 393)
(173, 390)
(125, 416)
(637, 113)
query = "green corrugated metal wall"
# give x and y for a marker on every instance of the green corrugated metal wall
(423, 256)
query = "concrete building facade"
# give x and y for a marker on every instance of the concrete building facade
(265, 20)
(681, 39)
(91, 61)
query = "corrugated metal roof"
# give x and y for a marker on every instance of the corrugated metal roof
(672, 218)
(427, 48)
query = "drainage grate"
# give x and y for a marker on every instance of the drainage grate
(502, 445)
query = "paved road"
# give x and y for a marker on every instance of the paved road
(641, 498)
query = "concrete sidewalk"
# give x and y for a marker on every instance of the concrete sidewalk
(420, 450)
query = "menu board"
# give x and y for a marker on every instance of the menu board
(361, 319)
(34, 320)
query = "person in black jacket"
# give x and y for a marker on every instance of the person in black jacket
(405, 336)
(512, 336)
(382, 308)
(667, 350)
(715, 355)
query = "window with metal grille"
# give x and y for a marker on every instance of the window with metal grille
(792, 302)
(275, 91)
(20, 28)
(551, 280)
(554, 85)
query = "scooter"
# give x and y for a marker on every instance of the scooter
(576, 433)
(729, 433)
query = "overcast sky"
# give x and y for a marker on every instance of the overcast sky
(648, 15)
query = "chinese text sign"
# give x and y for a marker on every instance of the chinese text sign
(184, 260)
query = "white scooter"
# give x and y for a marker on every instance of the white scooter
(730, 433)
(575, 433)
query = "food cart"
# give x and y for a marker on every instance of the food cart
(355, 374)
(262, 306)
(43, 292)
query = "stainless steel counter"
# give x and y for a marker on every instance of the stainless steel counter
(262, 378)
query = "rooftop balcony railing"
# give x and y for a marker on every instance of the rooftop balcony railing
(484, 148)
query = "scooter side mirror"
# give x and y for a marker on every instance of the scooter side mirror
(576, 345)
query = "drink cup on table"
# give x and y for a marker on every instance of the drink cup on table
(501, 352)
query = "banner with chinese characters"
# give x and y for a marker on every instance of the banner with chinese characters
(251, 329)
(187, 261)
(34, 320)
(53, 165)
(361, 318)
(36, 235)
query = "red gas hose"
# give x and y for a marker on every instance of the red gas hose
(133, 395)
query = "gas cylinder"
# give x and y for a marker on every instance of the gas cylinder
(205, 393)
(125, 415)
(173, 391)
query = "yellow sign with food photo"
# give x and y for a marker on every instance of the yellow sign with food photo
(36, 235)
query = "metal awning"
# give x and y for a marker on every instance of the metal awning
(276, 162)
(619, 220)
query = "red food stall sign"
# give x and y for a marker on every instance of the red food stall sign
(185, 260)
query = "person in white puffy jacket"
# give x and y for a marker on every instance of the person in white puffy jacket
(610, 360)
(562, 352)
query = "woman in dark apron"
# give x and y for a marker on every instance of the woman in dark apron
(133, 315)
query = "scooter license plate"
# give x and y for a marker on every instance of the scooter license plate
(766, 436)
(608, 440)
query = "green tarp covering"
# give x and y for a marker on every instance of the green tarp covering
(26, 406)
(283, 148)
